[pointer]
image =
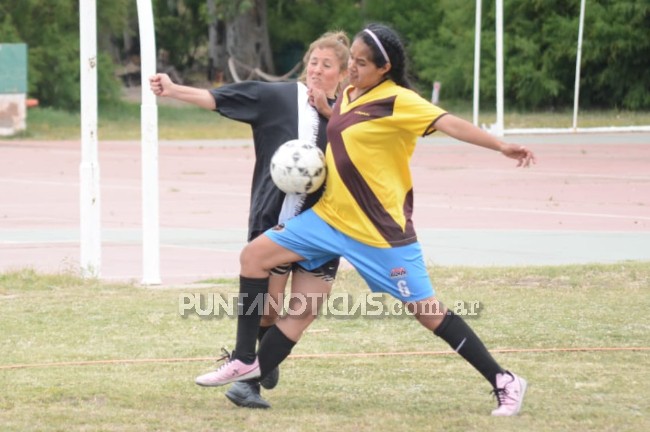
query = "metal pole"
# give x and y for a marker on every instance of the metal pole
(89, 196)
(477, 61)
(149, 129)
(498, 127)
(576, 96)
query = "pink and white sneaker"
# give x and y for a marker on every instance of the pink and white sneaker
(232, 370)
(509, 391)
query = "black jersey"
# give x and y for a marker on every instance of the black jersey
(277, 113)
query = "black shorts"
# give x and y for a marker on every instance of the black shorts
(327, 271)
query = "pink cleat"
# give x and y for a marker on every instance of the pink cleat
(510, 391)
(232, 370)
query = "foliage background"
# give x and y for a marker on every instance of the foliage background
(540, 39)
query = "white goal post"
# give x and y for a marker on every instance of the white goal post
(149, 130)
(90, 224)
(90, 206)
(498, 128)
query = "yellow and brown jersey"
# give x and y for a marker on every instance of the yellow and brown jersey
(369, 191)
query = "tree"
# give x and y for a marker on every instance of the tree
(239, 32)
(540, 39)
(205, 34)
(198, 35)
(50, 28)
(616, 55)
(181, 33)
(247, 35)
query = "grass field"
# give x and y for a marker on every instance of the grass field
(129, 331)
(123, 123)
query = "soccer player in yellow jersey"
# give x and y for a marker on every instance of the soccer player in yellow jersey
(365, 212)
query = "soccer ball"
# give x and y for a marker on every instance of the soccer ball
(297, 167)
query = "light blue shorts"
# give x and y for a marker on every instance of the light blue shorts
(398, 271)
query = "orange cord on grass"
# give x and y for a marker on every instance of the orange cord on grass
(501, 351)
(316, 356)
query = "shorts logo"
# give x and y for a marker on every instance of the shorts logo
(397, 272)
(278, 227)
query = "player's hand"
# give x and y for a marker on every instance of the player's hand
(160, 84)
(318, 99)
(521, 153)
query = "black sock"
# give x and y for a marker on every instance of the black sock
(262, 331)
(462, 339)
(252, 293)
(274, 348)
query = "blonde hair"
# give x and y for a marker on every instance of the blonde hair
(335, 40)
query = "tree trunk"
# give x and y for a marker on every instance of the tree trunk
(243, 37)
(215, 49)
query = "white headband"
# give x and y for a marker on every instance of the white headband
(381, 47)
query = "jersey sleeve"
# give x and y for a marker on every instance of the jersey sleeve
(239, 101)
(416, 114)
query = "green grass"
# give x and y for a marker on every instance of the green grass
(177, 121)
(60, 318)
(562, 118)
(122, 122)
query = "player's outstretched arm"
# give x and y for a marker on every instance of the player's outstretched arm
(465, 131)
(162, 85)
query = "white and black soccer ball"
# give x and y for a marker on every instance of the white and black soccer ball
(298, 166)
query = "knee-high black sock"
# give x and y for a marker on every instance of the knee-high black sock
(462, 339)
(262, 331)
(274, 348)
(252, 293)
